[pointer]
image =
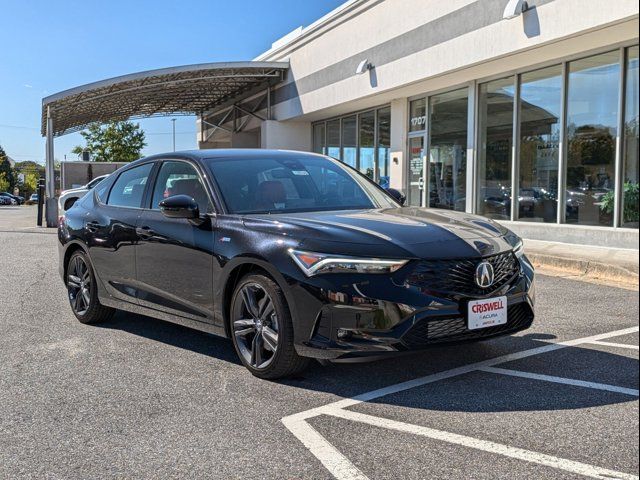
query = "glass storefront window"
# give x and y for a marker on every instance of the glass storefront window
(384, 145)
(495, 113)
(540, 111)
(630, 207)
(592, 117)
(349, 141)
(416, 169)
(318, 138)
(366, 130)
(333, 139)
(418, 115)
(448, 150)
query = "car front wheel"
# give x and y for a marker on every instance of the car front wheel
(262, 329)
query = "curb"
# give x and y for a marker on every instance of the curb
(590, 269)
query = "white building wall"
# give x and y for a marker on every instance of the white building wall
(286, 135)
(324, 58)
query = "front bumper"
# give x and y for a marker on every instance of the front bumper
(349, 325)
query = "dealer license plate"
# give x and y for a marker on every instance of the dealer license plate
(487, 313)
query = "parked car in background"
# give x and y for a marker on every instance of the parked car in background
(18, 199)
(7, 201)
(71, 196)
(32, 199)
(293, 256)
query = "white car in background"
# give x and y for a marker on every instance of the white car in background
(71, 196)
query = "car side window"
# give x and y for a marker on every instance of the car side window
(102, 190)
(128, 189)
(180, 178)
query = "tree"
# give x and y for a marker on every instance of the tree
(32, 172)
(113, 142)
(4, 183)
(6, 172)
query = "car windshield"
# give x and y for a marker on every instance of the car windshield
(288, 184)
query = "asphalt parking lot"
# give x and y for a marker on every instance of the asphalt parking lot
(141, 398)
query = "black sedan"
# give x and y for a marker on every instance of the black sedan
(292, 255)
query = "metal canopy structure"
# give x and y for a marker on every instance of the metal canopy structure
(186, 90)
(183, 90)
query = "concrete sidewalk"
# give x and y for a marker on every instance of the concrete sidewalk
(615, 266)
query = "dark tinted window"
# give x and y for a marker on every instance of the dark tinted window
(180, 178)
(279, 185)
(128, 189)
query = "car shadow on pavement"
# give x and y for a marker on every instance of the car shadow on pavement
(471, 392)
(173, 334)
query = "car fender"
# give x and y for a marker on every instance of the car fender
(221, 285)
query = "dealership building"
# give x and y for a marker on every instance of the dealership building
(529, 117)
(526, 112)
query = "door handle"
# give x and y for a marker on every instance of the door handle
(145, 232)
(92, 226)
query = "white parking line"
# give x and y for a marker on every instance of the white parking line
(617, 345)
(566, 381)
(343, 469)
(484, 445)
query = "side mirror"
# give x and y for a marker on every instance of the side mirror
(180, 206)
(397, 194)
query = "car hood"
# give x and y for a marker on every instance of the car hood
(73, 190)
(397, 232)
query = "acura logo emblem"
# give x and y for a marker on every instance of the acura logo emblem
(484, 275)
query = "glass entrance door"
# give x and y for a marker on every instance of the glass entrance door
(417, 160)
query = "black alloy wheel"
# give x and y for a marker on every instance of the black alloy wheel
(262, 330)
(82, 292)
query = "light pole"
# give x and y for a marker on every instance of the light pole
(173, 121)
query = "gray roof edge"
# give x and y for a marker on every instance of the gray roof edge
(161, 71)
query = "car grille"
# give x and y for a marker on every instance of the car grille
(458, 276)
(427, 332)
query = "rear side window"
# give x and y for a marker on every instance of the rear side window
(128, 189)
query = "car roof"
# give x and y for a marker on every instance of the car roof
(226, 153)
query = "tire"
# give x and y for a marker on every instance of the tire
(253, 328)
(82, 291)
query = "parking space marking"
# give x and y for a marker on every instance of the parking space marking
(484, 445)
(617, 345)
(563, 380)
(338, 465)
(343, 469)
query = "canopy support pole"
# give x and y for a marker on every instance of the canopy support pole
(50, 184)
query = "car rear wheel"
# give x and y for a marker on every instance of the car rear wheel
(262, 329)
(82, 291)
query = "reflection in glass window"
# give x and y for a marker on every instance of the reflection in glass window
(418, 115)
(349, 140)
(318, 138)
(591, 135)
(540, 108)
(494, 164)
(128, 189)
(333, 139)
(631, 129)
(367, 143)
(448, 150)
(384, 144)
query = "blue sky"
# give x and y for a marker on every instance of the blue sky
(49, 46)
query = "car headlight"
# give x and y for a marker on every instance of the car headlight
(518, 248)
(315, 263)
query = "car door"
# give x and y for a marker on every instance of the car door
(110, 230)
(174, 257)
